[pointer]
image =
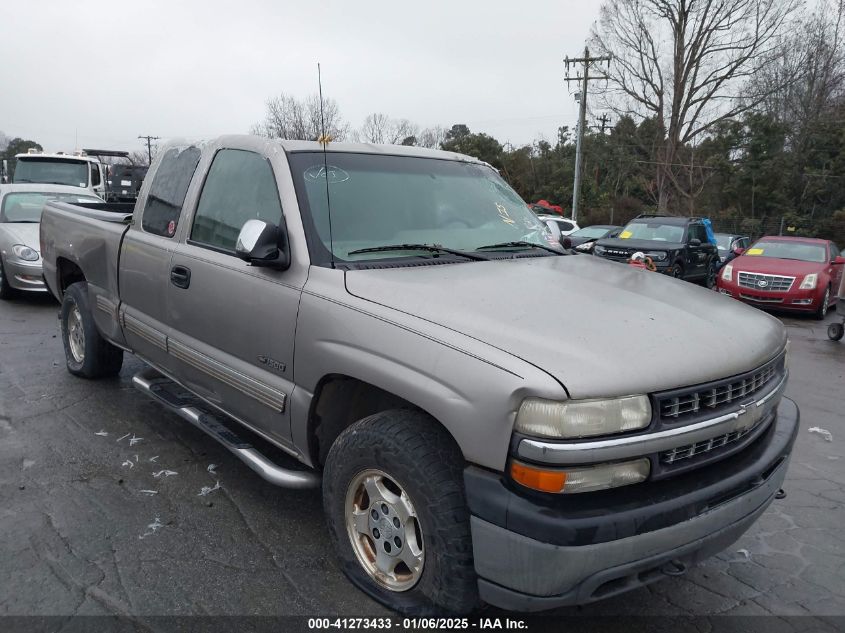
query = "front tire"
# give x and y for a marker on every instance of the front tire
(677, 270)
(87, 353)
(835, 331)
(821, 313)
(394, 499)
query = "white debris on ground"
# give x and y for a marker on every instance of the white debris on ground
(149, 492)
(164, 473)
(129, 463)
(134, 440)
(746, 555)
(153, 458)
(151, 528)
(206, 490)
(123, 437)
(28, 463)
(101, 433)
(212, 468)
(827, 435)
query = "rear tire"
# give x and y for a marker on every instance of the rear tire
(393, 475)
(712, 273)
(821, 313)
(87, 353)
(6, 291)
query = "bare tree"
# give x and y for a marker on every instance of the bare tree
(293, 119)
(380, 128)
(687, 65)
(431, 137)
(4, 141)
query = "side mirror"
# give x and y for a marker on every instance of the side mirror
(554, 228)
(839, 260)
(695, 242)
(566, 241)
(739, 251)
(263, 244)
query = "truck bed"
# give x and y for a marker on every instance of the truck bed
(85, 236)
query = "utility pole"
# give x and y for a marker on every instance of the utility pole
(584, 79)
(149, 140)
(603, 120)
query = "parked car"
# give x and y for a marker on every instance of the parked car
(726, 243)
(20, 252)
(567, 226)
(678, 246)
(322, 298)
(786, 273)
(583, 240)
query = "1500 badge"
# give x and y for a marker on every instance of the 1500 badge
(272, 364)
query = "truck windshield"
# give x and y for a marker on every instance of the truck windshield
(379, 200)
(27, 206)
(57, 171)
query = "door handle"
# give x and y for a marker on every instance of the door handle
(180, 276)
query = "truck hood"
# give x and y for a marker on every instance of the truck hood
(600, 328)
(25, 233)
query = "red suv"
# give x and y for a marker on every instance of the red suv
(785, 273)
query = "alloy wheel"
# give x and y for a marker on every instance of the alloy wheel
(76, 335)
(384, 530)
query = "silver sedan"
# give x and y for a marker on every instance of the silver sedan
(20, 218)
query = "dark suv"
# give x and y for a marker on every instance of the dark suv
(678, 246)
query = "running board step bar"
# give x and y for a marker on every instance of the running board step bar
(189, 407)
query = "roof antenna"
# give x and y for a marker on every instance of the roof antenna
(324, 140)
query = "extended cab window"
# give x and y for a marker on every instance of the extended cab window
(167, 193)
(95, 175)
(240, 186)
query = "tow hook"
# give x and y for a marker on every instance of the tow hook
(674, 568)
(780, 494)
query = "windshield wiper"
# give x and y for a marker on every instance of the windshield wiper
(22, 180)
(25, 221)
(433, 248)
(525, 244)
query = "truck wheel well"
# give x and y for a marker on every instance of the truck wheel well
(340, 401)
(68, 273)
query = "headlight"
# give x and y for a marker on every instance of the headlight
(586, 246)
(809, 282)
(599, 250)
(727, 272)
(581, 479)
(657, 256)
(582, 418)
(25, 253)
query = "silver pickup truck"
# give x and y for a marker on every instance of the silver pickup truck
(388, 318)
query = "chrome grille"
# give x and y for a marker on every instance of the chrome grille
(710, 397)
(705, 446)
(766, 283)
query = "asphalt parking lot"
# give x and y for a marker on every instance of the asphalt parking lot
(110, 505)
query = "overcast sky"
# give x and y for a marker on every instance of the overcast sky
(80, 73)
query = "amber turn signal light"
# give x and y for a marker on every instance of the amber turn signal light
(537, 478)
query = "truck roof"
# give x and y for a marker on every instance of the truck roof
(88, 159)
(314, 146)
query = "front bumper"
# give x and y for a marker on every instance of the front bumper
(26, 276)
(532, 553)
(793, 299)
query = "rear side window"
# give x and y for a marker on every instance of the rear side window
(240, 186)
(565, 226)
(698, 232)
(95, 175)
(167, 193)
